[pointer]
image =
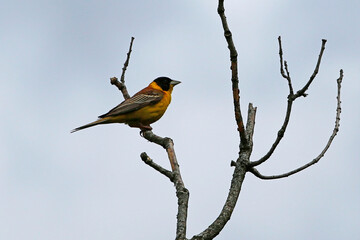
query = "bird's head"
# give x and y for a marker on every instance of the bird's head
(165, 83)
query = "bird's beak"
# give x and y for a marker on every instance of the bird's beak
(174, 82)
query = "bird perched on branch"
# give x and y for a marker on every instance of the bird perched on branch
(145, 107)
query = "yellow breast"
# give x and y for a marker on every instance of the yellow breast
(148, 114)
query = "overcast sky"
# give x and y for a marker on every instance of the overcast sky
(56, 58)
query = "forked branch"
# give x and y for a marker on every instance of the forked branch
(174, 176)
(317, 159)
(245, 142)
(181, 192)
(121, 84)
(242, 164)
(282, 65)
(291, 98)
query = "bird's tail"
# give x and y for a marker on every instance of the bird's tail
(100, 121)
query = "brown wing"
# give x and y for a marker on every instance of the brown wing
(141, 99)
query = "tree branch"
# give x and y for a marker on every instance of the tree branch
(126, 64)
(250, 125)
(280, 135)
(234, 75)
(167, 143)
(291, 98)
(236, 182)
(181, 192)
(317, 159)
(146, 159)
(121, 85)
(282, 64)
(242, 164)
(302, 91)
(245, 142)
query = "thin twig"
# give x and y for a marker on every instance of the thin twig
(126, 64)
(282, 64)
(146, 159)
(302, 91)
(121, 84)
(234, 74)
(291, 98)
(279, 137)
(317, 159)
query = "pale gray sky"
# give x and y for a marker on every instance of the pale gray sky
(56, 58)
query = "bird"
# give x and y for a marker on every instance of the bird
(142, 109)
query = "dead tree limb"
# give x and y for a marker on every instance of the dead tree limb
(241, 164)
(291, 98)
(317, 159)
(182, 193)
(167, 143)
(121, 84)
(234, 71)
(146, 159)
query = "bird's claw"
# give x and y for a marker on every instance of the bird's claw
(142, 132)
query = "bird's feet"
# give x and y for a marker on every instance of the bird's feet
(143, 128)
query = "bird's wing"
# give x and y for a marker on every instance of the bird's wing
(139, 100)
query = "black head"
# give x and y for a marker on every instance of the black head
(165, 83)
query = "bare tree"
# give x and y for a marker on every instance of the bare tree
(243, 164)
